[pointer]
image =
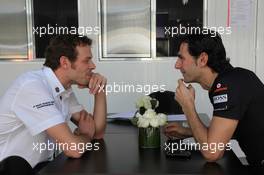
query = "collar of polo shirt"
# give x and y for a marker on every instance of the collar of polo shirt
(54, 83)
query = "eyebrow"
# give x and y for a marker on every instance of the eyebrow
(88, 58)
(179, 55)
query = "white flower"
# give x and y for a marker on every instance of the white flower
(142, 122)
(147, 103)
(162, 119)
(150, 113)
(154, 122)
(149, 118)
(139, 103)
(138, 115)
(144, 101)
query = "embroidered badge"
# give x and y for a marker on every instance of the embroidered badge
(220, 98)
(57, 89)
(220, 87)
(44, 104)
(221, 109)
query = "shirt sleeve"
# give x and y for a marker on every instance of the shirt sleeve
(229, 100)
(74, 104)
(35, 106)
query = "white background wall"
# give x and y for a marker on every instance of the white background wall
(244, 46)
(260, 41)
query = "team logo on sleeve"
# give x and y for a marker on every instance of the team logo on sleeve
(44, 104)
(220, 87)
(220, 99)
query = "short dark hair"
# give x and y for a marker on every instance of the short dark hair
(210, 42)
(64, 45)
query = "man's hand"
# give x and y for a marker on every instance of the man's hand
(97, 83)
(86, 124)
(176, 130)
(185, 96)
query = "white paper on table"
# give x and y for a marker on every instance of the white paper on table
(123, 115)
(177, 117)
(130, 114)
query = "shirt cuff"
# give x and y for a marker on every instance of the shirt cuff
(75, 109)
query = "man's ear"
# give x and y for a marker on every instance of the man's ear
(64, 62)
(203, 59)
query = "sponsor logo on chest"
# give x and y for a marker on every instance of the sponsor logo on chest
(220, 98)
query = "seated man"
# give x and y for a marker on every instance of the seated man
(36, 108)
(236, 95)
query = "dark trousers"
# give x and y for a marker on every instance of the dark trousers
(15, 165)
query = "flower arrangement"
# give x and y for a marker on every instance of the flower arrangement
(146, 115)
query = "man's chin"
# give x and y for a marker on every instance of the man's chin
(80, 84)
(186, 80)
(83, 83)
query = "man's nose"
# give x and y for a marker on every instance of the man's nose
(178, 64)
(92, 65)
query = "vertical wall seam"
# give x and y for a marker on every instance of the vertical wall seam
(255, 36)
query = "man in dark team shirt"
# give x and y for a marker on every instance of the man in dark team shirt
(236, 94)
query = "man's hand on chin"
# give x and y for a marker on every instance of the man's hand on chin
(185, 96)
(97, 83)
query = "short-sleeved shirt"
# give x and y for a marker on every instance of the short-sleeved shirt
(35, 102)
(239, 94)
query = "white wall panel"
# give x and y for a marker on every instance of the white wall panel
(260, 41)
(240, 45)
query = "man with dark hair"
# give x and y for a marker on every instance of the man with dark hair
(64, 45)
(36, 108)
(236, 95)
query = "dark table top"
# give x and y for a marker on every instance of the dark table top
(119, 154)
